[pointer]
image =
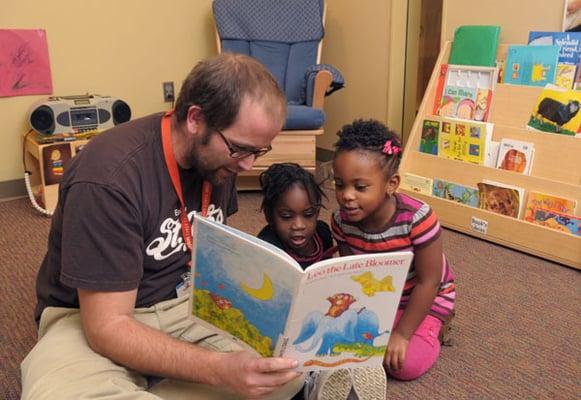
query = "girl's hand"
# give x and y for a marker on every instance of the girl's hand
(396, 351)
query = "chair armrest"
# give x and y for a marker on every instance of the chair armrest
(323, 80)
(319, 78)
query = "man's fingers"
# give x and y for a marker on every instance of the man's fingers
(275, 364)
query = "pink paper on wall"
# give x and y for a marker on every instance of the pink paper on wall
(24, 63)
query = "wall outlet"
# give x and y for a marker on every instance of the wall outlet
(168, 92)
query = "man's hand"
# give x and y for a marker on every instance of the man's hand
(396, 351)
(252, 377)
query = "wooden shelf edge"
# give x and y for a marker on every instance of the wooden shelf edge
(537, 240)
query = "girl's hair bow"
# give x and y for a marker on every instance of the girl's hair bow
(391, 149)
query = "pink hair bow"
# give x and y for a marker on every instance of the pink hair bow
(390, 149)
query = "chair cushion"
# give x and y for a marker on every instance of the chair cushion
(303, 118)
(278, 21)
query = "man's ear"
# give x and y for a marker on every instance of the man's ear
(194, 119)
(393, 184)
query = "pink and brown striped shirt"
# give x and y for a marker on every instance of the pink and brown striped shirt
(414, 225)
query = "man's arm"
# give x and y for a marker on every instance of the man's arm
(112, 331)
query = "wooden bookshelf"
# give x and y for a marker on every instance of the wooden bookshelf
(556, 169)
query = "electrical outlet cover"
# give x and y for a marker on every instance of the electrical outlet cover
(168, 92)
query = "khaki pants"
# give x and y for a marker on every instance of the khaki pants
(62, 365)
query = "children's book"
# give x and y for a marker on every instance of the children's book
(570, 48)
(559, 221)
(455, 192)
(337, 313)
(429, 137)
(464, 140)
(417, 183)
(465, 92)
(515, 155)
(548, 202)
(556, 111)
(531, 65)
(491, 154)
(475, 45)
(501, 198)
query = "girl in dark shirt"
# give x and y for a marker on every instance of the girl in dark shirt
(291, 204)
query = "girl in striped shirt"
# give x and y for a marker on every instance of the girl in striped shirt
(373, 218)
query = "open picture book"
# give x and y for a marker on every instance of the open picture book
(338, 313)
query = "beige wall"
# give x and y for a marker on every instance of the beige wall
(357, 43)
(515, 17)
(122, 48)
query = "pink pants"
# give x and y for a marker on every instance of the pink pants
(423, 349)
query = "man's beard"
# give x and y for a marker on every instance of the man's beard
(202, 168)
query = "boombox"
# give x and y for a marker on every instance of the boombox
(77, 114)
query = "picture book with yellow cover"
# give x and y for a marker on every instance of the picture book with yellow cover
(464, 140)
(548, 202)
(556, 111)
(416, 183)
(337, 313)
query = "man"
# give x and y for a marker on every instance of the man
(108, 311)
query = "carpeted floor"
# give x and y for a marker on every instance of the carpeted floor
(517, 334)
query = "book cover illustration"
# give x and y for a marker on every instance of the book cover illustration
(515, 155)
(558, 221)
(337, 313)
(456, 192)
(500, 198)
(429, 137)
(570, 48)
(531, 65)
(465, 92)
(475, 45)
(464, 140)
(556, 111)
(416, 183)
(547, 202)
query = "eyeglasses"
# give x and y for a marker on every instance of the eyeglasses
(241, 152)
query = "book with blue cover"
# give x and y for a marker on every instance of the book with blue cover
(570, 49)
(531, 65)
(455, 192)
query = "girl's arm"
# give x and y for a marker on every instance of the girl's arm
(428, 266)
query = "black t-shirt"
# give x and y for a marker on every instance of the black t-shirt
(116, 225)
(323, 240)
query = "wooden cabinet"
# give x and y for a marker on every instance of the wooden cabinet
(46, 163)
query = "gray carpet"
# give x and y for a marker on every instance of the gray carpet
(516, 334)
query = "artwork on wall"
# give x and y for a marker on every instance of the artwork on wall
(24, 62)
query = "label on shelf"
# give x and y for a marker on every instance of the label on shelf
(479, 225)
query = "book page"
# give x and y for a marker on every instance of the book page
(240, 287)
(344, 312)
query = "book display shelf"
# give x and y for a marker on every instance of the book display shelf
(556, 170)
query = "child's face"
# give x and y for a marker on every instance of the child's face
(294, 219)
(362, 189)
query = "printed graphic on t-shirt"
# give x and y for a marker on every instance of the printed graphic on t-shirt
(170, 240)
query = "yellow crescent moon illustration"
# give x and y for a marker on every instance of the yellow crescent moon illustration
(264, 292)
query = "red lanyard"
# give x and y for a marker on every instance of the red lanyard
(174, 173)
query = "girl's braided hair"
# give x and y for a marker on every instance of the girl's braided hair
(279, 178)
(373, 136)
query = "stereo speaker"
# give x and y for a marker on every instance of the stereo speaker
(77, 114)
